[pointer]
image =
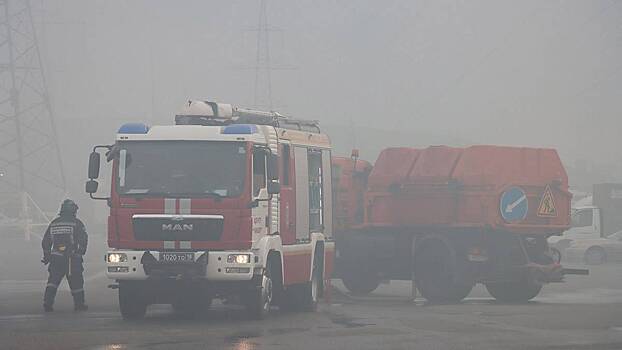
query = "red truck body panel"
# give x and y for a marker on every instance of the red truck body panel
(461, 188)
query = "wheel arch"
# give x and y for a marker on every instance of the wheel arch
(598, 248)
(276, 255)
(318, 251)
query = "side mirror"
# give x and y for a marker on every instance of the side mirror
(91, 186)
(94, 165)
(273, 167)
(274, 187)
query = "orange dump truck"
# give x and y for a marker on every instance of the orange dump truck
(450, 218)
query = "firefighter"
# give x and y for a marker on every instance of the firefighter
(64, 244)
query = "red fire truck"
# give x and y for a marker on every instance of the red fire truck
(447, 218)
(228, 203)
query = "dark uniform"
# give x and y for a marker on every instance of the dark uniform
(64, 244)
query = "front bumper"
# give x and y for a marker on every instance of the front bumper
(208, 265)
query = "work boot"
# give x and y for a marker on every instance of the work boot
(80, 307)
(47, 308)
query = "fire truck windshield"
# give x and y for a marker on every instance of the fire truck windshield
(181, 168)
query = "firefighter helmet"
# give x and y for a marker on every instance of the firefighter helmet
(68, 207)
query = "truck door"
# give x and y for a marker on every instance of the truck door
(260, 193)
(287, 196)
(302, 193)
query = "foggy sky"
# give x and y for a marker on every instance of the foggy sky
(533, 73)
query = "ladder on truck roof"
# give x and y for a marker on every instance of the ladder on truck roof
(213, 114)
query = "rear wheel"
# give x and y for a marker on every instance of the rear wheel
(436, 275)
(519, 291)
(360, 282)
(595, 256)
(132, 306)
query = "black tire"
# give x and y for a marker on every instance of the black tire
(258, 301)
(556, 255)
(132, 306)
(435, 273)
(595, 256)
(514, 292)
(360, 283)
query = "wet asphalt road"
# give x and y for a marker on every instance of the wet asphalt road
(584, 313)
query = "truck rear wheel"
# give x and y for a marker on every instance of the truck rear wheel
(132, 306)
(435, 273)
(520, 291)
(360, 282)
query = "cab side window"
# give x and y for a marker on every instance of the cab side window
(259, 170)
(582, 218)
(316, 200)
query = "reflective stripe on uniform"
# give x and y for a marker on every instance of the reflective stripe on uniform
(52, 285)
(76, 291)
(57, 253)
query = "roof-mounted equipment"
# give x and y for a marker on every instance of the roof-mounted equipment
(211, 113)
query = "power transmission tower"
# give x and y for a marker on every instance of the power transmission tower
(31, 169)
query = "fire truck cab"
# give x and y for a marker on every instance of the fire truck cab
(228, 203)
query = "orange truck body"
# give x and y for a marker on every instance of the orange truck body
(462, 187)
(452, 217)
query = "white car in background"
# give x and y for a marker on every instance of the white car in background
(596, 251)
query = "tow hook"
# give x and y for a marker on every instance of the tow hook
(553, 272)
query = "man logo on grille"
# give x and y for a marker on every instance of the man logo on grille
(177, 227)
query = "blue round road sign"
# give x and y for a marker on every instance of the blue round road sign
(513, 205)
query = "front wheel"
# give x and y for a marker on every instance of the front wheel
(520, 291)
(259, 300)
(132, 306)
(595, 256)
(556, 255)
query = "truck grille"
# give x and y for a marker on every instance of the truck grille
(148, 227)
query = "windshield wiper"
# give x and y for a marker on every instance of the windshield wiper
(214, 194)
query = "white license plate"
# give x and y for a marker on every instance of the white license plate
(176, 257)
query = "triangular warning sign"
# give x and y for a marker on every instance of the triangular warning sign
(547, 204)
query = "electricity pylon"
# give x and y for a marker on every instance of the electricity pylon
(31, 169)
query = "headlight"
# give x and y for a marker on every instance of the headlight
(117, 257)
(239, 258)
